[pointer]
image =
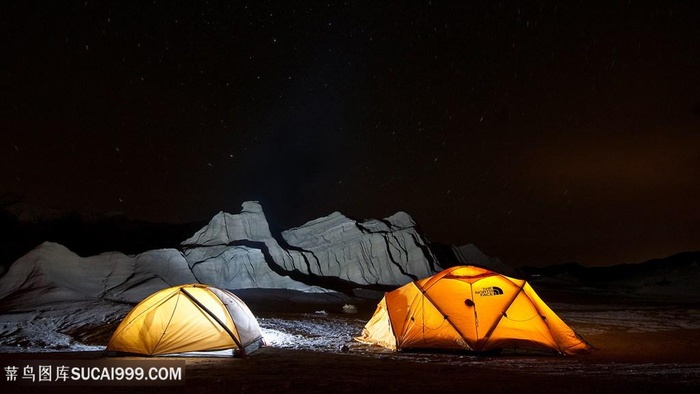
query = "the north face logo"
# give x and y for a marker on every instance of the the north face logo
(489, 291)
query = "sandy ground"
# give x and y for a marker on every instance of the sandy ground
(641, 346)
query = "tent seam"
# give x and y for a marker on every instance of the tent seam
(218, 321)
(131, 321)
(488, 334)
(177, 301)
(461, 334)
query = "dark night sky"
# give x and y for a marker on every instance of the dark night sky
(543, 132)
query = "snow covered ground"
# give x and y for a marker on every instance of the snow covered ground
(79, 326)
(632, 341)
(55, 327)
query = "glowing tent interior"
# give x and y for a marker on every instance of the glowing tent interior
(469, 308)
(188, 318)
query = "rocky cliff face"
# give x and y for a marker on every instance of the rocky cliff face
(333, 252)
(387, 252)
(52, 273)
(233, 251)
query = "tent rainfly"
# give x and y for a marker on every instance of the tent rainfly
(188, 318)
(469, 308)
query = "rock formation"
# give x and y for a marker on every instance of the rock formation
(52, 273)
(333, 252)
(236, 252)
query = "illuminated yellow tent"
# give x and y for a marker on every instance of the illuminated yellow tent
(188, 318)
(469, 308)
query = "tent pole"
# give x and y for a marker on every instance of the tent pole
(445, 316)
(210, 313)
(487, 336)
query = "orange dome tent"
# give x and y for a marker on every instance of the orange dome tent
(469, 308)
(188, 318)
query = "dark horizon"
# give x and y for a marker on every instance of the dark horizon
(543, 135)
